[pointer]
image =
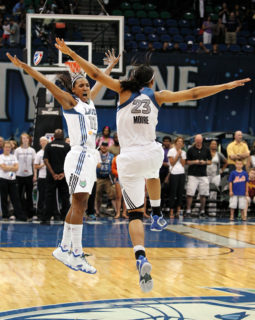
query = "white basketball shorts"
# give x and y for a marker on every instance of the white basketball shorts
(134, 165)
(80, 169)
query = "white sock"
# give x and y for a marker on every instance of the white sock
(138, 247)
(155, 203)
(77, 238)
(66, 239)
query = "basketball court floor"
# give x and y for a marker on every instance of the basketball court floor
(202, 269)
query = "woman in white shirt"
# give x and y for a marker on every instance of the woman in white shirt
(8, 168)
(177, 159)
(25, 156)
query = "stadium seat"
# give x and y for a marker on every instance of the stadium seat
(235, 48)
(222, 47)
(138, 6)
(183, 23)
(152, 37)
(117, 13)
(125, 5)
(173, 30)
(141, 14)
(247, 49)
(241, 41)
(161, 30)
(171, 23)
(129, 13)
(178, 38)
(149, 6)
(165, 15)
(153, 14)
(133, 21)
(131, 45)
(185, 31)
(214, 17)
(190, 38)
(140, 37)
(128, 36)
(146, 22)
(244, 33)
(136, 29)
(189, 16)
(126, 28)
(157, 45)
(165, 38)
(158, 22)
(148, 29)
(209, 46)
(143, 45)
(183, 47)
(251, 41)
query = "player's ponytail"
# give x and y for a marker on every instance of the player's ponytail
(64, 81)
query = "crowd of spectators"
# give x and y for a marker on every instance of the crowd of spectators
(190, 178)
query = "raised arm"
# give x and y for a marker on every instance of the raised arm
(64, 98)
(112, 61)
(92, 71)
(197, 92)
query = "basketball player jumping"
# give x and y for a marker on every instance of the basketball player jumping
(141, 157)
(81, 161)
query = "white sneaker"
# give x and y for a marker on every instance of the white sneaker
(79, 263)
(34, 218)
(61, 255)
(12, 218)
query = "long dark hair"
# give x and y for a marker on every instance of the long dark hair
(64, 81)
(139, 77)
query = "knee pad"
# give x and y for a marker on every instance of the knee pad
(134, 215)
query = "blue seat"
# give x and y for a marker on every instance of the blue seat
(173, 30)
(152, 37)
(222, 47)
(157, 45)
(133, 21)
(183, 23)
(183, 47)
(235, 48)
(190, 38)
(161, 30)
(185, 31)
(165, 38)
(136, 29)
(158, 22)
(143, 45)
(140, 37)
(244, 33)
(128, 36)
(241, 41)
(146, 22)
(171, 23)
(131, 45)
(148, 29)
(209, 46)
(126, 28)
(196, 32)
(178, 38)
(199, 38)
(251, 41)
(247, 49)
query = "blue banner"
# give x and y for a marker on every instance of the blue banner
(227, 111)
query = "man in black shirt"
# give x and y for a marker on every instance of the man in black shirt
(54, 158)
(198, 157)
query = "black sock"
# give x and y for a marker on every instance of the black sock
(140, 253)
(156, 211)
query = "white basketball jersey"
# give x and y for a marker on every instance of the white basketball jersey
(82, 124)
(137, 119)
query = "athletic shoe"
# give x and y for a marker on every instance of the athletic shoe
(34, 218)
(12, 218)
(79, 263)
(158, 223)
(61, 255)
(144, 269)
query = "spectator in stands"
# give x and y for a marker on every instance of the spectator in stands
(18, 8)
(8, 187)
(30, 9)
(238, 189)
(1, 145)
(224, 13)
(237, 150)
(198, 157)
(163, 173)
(25, 175)
(14, 146)
(232, 27)
(218, 35)
(104, 179)
(251, 190)
(115, 148)
(150, 47)
(176, 48)
(177, 159)
(6, 31)
(208, 29)
(251, 159)
(15, 33)
(165, 47)
(199, 6)
(41, 181)
(214, 172)
(106, 132)
(54, 157)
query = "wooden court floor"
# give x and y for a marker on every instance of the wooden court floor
(190, 260)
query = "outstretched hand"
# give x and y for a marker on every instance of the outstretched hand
(237, 83)
(110, 58)
(14, 60)
(60, 45)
